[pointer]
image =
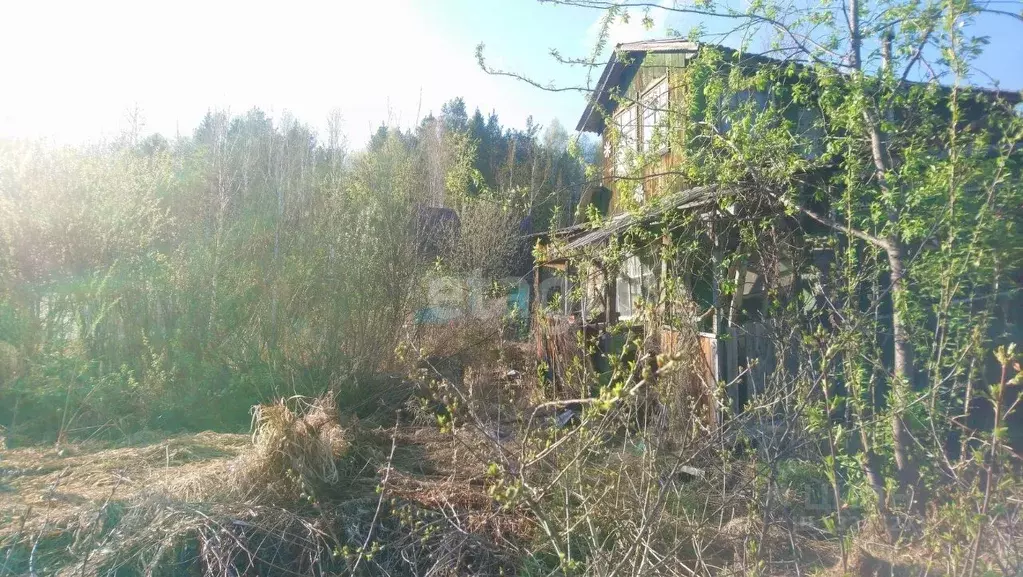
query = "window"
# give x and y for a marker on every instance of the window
(559, 295)
(810, 133)
(635, 281)
(655, 114)
(733, 107)
(625, 120)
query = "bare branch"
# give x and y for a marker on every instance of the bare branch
(549, 87)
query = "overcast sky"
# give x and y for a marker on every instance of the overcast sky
(72, 70)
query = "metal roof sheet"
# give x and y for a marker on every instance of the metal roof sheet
(578, 238)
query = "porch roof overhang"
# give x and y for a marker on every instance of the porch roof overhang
(576, 239)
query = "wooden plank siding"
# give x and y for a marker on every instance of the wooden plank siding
(745, 359)
(654, 68)
(700, 374)
(724, 355)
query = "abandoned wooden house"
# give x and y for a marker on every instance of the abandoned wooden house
(584, 283)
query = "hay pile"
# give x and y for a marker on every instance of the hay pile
(144, 507)
(263, 511)
(294, 452)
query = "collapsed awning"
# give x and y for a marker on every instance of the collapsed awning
(578, 237)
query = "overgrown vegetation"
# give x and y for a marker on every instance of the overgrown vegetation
(171, 285)
(250, 275)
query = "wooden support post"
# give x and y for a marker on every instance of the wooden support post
(731, 370)
(535, 312)
(736, 304)
(716, 258)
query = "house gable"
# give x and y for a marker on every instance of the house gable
(620, 72)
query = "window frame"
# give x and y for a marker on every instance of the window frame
(639, 280)
(661, 90)
(626, 141)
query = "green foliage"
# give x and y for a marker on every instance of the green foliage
(875, 194)
(174, 284)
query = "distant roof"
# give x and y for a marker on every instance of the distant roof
(628, 56)
(434, 225)
(437, 217)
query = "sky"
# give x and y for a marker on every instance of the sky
(73, 71)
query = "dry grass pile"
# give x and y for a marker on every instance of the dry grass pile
(256, 519)
(55, 487)
(303, 499)
(223, 500)
(297, 496)
(61, 507)
(301, 449)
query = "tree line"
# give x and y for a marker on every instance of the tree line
(173, 283)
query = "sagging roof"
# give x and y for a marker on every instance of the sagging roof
(628, 56)
(579, 237)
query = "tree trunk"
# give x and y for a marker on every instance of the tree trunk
(902, 367)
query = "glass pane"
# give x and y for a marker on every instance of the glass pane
(624, 301)
(625, 119)
(655, 105)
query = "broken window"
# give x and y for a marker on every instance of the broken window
(733, 108)
(810, 133)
